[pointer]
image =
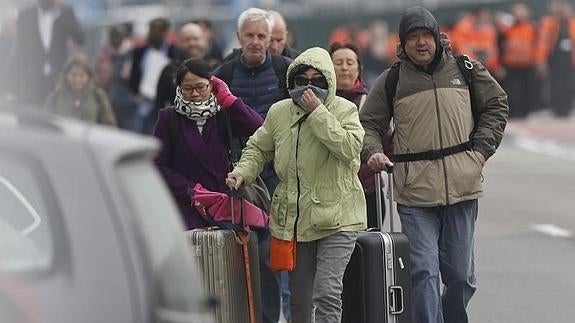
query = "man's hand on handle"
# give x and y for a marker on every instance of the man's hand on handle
(379, 162)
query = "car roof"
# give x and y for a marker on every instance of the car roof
(107, 143)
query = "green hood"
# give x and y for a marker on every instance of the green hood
(319, 59)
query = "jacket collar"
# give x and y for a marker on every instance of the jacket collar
(255, 69)
(298, 114)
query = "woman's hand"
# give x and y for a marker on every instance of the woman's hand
(222, 93)
(309, 101)
(234, 180)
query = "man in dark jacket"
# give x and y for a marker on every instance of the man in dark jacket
(147, 65)
(46, 33)
(278, 40)
(193, 44)
(439, 150)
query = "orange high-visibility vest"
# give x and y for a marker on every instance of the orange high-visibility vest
(477, 43)
(519, 45)
(460, 33)
(549, 34)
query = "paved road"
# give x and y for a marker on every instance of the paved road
(525, 233)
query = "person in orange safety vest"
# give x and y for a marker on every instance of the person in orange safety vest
(475, 35)
(518, 43)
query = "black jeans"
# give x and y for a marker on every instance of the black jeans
(562, 84)
(522, 88)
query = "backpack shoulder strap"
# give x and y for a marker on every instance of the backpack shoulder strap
(391, 84)
(174, 125)
(467, 70)
(227, 71)
(225, 126)
(280, 66)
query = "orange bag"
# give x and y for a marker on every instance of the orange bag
(282, 254)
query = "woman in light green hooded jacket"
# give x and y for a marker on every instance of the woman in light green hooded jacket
(314, 139)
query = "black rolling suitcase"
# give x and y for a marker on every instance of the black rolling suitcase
(377, 280)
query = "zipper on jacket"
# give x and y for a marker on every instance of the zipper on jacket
(297, 174)
(440, 139)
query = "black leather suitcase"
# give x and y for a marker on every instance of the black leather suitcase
(377, 280)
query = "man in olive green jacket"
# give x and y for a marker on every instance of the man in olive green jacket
(439, 153)
(314, 139)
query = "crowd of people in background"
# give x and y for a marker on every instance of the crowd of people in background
(531, 56)
(130, 82)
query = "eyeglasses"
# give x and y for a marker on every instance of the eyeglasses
(200, 88)
(317, 80)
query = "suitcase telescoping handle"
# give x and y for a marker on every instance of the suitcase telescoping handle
(378, 200)
(233, 195)
(244, 239)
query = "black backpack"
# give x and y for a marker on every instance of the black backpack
(466, 68)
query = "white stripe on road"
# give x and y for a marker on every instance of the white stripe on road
(551, 230)
(546, 147)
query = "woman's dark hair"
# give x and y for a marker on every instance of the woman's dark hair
(193, 65)
(336, 46)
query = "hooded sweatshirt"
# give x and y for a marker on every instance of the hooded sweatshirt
(316, 157)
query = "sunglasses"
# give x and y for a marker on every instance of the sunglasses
(317, 80)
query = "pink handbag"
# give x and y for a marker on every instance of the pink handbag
(216, 208)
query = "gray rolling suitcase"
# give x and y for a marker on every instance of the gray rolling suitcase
(228, 265)
(377, 280)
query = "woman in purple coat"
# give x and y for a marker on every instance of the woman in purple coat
(194, 136)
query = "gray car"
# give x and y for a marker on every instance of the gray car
(88, 229)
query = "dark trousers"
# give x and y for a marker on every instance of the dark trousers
(270, 284)
(521, 85)
(562, 85)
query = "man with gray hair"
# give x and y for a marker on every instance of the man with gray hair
(256, 75)
(259, 79)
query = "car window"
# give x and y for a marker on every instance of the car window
(178, 279)
(25, 238)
